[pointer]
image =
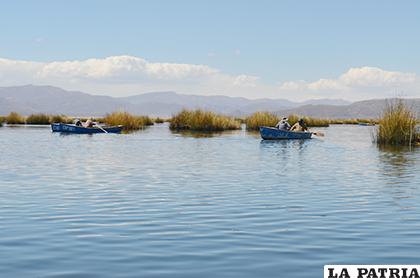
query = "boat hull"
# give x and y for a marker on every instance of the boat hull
(70, 128)
(271, 133)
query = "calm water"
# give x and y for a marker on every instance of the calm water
(158, 204)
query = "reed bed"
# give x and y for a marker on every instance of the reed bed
(353, 121)
(38, 119)
(309, 121)
(93, 119)
(200, 120)
(159, 120)
(45, 119)
(60, 119)
(127, 120)
(15, 119)
(258, 119)
(397, 125)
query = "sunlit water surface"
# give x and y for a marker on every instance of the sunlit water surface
(158, 204)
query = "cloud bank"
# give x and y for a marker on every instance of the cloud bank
(124, 75)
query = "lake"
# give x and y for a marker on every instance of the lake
(160, 204)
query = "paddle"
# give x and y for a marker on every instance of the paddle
(320, 134)
(101, 128)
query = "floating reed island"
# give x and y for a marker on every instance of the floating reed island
(130, 122)
(200, 120)
(35, 119)
(159, 120)
(257, 119)
(398, 125)
(15, 119)
(254, 121)
(127, 120)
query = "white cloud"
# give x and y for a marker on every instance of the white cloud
(375, 77)
(125, 75)
(122, 68)
(246, 80)
(359, 83)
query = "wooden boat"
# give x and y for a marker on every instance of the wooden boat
(272, 133)
(71, 128)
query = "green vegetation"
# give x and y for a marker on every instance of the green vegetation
(2, 120)
(202, 121)
(397, 125)
(14, 118)
(258, 119)
(129, 121)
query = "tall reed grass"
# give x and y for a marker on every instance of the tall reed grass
(309, 121)
(14, 118)
(397, 125)
(159, 120)
(353, 121)
(60, 119)
(257, 119)
(45, 119)
(38, 119)
(127, 120)
(202, 121)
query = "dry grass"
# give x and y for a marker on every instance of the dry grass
(202, 121)
(353, 121)
(159, 120)
(129, 121)
(258, 119)
(310, 122)
(44, 119)
(14, 118)
(397, 125)
(60, 119)
(38, 119)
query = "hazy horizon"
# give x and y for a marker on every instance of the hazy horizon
(214, 95)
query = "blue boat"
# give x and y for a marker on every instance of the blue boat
(272, 133)
(71, 128)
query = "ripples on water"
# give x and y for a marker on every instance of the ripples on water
(162, 204)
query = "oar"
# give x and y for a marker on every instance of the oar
(101, 128)
(320, 134)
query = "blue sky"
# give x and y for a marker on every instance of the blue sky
(276, 41)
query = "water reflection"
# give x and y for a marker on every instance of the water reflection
(397, 170)
(397, 163)
(283, 144)
(201, 134)
(160, 204)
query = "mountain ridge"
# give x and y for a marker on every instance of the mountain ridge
(28, 99)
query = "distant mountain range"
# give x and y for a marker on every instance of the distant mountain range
(47, 99)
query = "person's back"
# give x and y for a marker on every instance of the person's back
(283, 124)
(88, 123)
(299, 126)
(77, 122)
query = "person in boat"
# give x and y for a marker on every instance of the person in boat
(299, 126)
(89, 123)
(77, 122)
(283, 124)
